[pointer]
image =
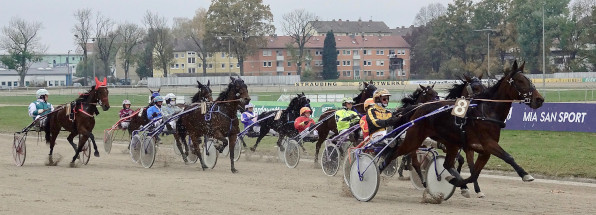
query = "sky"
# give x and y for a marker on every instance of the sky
(57, 17)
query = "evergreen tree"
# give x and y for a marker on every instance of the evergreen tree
(330, 57)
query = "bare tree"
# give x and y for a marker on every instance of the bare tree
(131, 36)
(22, 43)
(429, 13)
(296, 25)
(195, 30)
(161, 36)
(105, 41)
(82, 29)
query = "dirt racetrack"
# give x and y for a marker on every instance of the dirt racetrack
(112, 184)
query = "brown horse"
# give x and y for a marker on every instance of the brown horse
(204, 94)
(480, 129)
(84, 109)
(220, 121)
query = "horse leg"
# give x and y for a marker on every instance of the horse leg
(179, 145)
(92, 137)
(496, 150)
(279, 140)
(404, 160)
(416, 165)
(464, 189)
(82, 142)
(322, 137)
(232, 145)
(470, 161)
(262, 132)
(53, 135)
(70, 139)
(449, 165)
(196, 141)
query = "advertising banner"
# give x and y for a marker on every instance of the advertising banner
(579, 117)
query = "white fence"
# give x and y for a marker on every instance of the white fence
(565, 75)
(222, 80)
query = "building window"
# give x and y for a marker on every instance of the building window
(367, 63)
(176, 56)
(223, 55)
(191, 60)
(177, 66)
(337, 52)
(26, 83)
(318, 52)
(380, 63)
(279, 52)
(337, 63)
(380, 52)
(231, 65)
(266, 63)
(318, 63)
(356, 53)
(278, 63)
(289, 63)
(200, 65)
(192, 70)
(289, 73)
(4, 83)
(391, 51)
(62, 83)
(55, 83)
(172, 66)
(237, 65)
(223, 65)
(266, 52)
(210, 66)
(348, 72)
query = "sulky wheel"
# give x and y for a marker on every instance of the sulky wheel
(424, 162)
(209, 153)
(135, 147)
(280, 152)
(348, 160)
(364, 178)
(19, 148)
(148, 151)
(330, 159)
(108, 138)
(435, 176)
(192, 157)
(292, 154)
(237, 149)
(85, 154)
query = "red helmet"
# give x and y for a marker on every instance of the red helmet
(304, 110)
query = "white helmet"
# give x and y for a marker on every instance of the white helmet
(170, 96)
(126, 102)
(249, 105)
(41, 92)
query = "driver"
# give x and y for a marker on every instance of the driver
(170, 110)
(40, 107)
(345, 117)
(304, 122)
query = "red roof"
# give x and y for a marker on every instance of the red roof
(343, 42)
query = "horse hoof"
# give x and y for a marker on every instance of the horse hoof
(528, 178)
(96, 154)
(72, 164)
(204, 167)
(465, 193)
(234, 171)
(252, 149)
(480, 195)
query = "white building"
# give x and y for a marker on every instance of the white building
(38, 74)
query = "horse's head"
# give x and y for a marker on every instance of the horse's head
(298, 102)
(204, 93)
(471, 86)
(99, 93)
(522, 87)
(366, 91)
(426, 94)
(237, 89)
(154, 93)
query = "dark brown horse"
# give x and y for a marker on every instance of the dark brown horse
(84, 109)
(481, 130)
(204, 94)
(141, 119)
(284, 125)
(368, 89)
(220, 121)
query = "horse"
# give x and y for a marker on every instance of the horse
(480, 129)
(220, 121)
(84, 109)
(367, 91)
(204, 94)
(141, 119)
(284, 125)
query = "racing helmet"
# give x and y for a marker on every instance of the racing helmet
(347, 100)
(158, 99)
(368, 102)
(170, 97)
(41, 92)
(304, 110)
(126, 102)
(377, 95)
(249, 105)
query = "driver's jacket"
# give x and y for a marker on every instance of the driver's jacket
(170, 110)
(300, 126)
(342, 114)
(151, 110)
(40, 104)
(376, 118)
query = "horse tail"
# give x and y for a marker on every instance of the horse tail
(46, 127)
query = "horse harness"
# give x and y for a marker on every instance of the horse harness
(208, 116)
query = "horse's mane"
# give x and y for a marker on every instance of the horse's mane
(456, 90)
(357, 98)
(84, 96)
(411, 99)
(493, 89)
(224, 94)
(293, 103)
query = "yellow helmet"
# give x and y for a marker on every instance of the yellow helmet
(368, 102)
(381, 92)
(304, 110)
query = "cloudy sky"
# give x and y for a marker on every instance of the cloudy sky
(58, 20)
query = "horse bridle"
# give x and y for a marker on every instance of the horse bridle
(527, 96)
(475, 82)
